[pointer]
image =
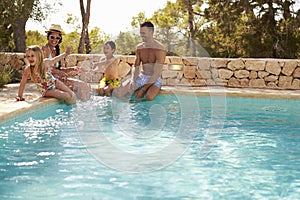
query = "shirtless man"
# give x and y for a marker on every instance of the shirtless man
(147, 80)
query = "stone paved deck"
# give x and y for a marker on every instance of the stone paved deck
(9, 107)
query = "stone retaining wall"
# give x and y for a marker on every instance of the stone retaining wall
(228, 72)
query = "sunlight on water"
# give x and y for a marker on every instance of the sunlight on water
(107, 149)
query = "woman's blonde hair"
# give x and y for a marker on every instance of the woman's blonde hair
(39, 66)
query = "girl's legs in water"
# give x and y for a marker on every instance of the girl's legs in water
(63, 92)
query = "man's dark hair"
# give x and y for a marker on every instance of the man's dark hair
(149, 25)
(111, 44)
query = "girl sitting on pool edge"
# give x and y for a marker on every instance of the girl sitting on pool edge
(39, 72)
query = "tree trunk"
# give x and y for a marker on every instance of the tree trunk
(84, 38)
(19, 24)
(20, 34)
(191, 27)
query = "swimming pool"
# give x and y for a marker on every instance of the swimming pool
(176, 147)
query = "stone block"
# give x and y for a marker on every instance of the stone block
(203, 63)
(255, 65)
(71, 61)
(169, 74)
(236, 64)
(296, 73)
(225, 74)
(204, 74)
(273, 67)
(244, 82)
(271, 78)
(289, 67)
(199, 82)
(296, 84)
(285, 81)
(233, 82)
(262, 74)
(214, 73)
(242, 73)
(257, 83)
(219, 63)
(272, 85)
(189, 71)
(253, 75)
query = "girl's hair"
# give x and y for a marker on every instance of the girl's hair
(57, 48)
(111, 44)
(39, 65)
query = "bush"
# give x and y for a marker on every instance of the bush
(6, 75)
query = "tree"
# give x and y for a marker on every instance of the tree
(178, 23)
(84, 38)
(97, 39)
(256, 28)
(167, 29)
(35, 38)
(126, 43)
(14, 15)
(24, 7)
(5, 26)
(189, 6)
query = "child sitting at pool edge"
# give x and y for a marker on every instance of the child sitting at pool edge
(111, 77)
(39, 72)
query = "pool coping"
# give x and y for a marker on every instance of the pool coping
(236, 92)
(10, 109)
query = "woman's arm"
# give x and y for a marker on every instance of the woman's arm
(51, 61)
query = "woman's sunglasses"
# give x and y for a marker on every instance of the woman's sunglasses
(53, 37)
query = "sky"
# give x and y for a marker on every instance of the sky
(110, 16)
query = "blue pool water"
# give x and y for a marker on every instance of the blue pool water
(176, 147)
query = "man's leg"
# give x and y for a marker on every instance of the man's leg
(152, 92)
(122, 91)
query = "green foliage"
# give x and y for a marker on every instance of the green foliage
(35, 38)
(70, 39)
(5, 75)
(172, 28)
(15, 13)
(126, 43)
(97, 39)
(252, 29)
(224, 28)
(140, 18)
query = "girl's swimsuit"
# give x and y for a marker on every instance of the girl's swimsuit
(47, 84)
